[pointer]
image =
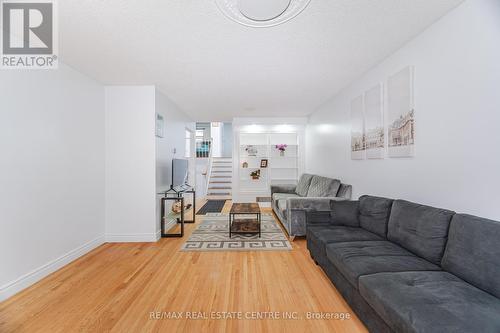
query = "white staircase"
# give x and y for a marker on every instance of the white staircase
(220, 182)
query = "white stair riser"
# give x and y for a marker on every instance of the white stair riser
(220, 182)
(213, 190)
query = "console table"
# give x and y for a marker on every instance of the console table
(176, 194)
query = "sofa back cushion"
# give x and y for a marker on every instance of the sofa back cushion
(473, 252)
(374, 214)
(323, 187)
(421, 229)
(345, 191)
(303, 184)
(344, 213)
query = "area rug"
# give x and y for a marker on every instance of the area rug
(213, 235)
(212, 206)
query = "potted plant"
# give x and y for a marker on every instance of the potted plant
(282, 148)
(255, 174)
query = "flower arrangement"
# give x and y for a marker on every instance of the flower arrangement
(281, 147)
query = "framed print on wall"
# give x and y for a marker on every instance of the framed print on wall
(160, 123)
(401, 114)
(374, 122)
(357, 129)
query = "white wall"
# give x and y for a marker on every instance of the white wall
(130, 164)
(216, 136)
(176, 122)
(51, 172)
(77, 168)
(201, 177)
(227, 140)
(457, 62)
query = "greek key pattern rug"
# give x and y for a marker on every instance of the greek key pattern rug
(213, 235)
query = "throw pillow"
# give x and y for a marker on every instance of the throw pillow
(323, 187)
(303, 184)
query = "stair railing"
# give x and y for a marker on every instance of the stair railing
(208, 173)
(203, 148)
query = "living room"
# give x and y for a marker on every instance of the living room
(254, 166)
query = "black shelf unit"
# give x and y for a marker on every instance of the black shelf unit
(177, 194)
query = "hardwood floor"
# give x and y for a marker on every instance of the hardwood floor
(118, 286)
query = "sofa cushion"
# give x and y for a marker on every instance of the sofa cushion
(421, 229)
(303, 184)
(323, 187)
(374, 214)
(278, 196)
(330, 234)
(354, 259)
(473, 252)
(345, 191)
(344, 213)
(430, 302)
(281, 204)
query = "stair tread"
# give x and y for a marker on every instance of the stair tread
(220, 182)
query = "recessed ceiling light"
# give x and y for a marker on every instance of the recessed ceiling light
(261, 13)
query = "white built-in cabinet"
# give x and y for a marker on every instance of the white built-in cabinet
(282, 168)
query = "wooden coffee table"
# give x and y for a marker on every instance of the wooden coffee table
(243, 224)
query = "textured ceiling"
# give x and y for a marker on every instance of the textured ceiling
(216, 69)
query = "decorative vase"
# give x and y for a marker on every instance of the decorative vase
(282, 153)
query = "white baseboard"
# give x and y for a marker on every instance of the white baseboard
(36, 275)
(132, 238)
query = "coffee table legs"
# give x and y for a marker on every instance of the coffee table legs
(260, 224)
(231, 222)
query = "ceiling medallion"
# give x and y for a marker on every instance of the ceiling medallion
(261, 13)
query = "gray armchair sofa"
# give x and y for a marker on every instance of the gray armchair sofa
(406, 267)
(312, 193)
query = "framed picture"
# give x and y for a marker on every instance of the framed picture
(357, 129)
(263, 163)
(401, 114)
(160, 124)
(251, 150)
(374, 123)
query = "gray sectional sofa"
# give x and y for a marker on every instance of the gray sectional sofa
(312, 193)
(406, 267)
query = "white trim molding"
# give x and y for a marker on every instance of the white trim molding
(133, 238)
(39, 273)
